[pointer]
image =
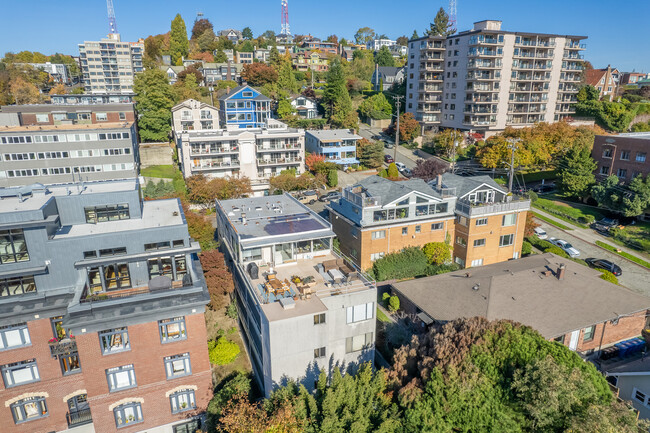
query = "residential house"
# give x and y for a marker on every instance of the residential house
(244, 57)
(314, 60)
(631, 78)
(193, 115)
(398, 50)
(303, 307)
(377, 44)
(563, 300)
(604, 80)
(102, 300)
(230, 54)
(59, 72)
(262, 54)
(387, 76)
(231, 34)
(305, 107)
(245, 107)
(315, 44)
(172, 72)
(70, 114)
(631, 378)
(283, 39)
(336, 145)
(624, 155)
(215, 72)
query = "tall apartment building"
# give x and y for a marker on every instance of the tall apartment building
(55, 154)
(70, 114)
(102, 303)
(377, 216)
(109, 65)
(302, 306)
(487, 79)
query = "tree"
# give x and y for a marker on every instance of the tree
(531, 225)
(364, 35)
(24, 92)
(269, 35)
(203, 191)
(59, 89)
(446, 142)
(638, 200)
(441, 25)
(608, 193)
(247, 33)
(362, 65)
(207, 41)
(383, 57)
(333, 39)
(190, 70)
(588, 93)
(220, 57)
(286, 78)
(154, 46)
(312, 159)
(200, 27)
(409, 128)
(332, 178)
(217, 277)
(204, 56)
(429, 169)
(179, 46)
(343, 42)
(154, 100)
(236, 385)
(336, 99)
(285, 109)
(393, 172)
(415, 35)
(259, 74)
(288, 181)
(438, 253)
(376, 107)
(576, 173)
(370, 154)
(402, 40)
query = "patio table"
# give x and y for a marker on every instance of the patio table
(336, 274)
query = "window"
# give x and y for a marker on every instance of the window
(19, 373)
(156, 246)
(116, 276)
(604, 169)
(70, 364)
(461, 241)
(379, 234)
(13, 247)
(247, 94)
(625, 155)
(177, 365)
(461, 220)
(358, 342)
(405, 231)
(42, 118)
(100, 214)
(588, 334)
(436, 226)
(28, 409)
(182, 400)
(479, 242)
(481, 222)
(101, 117)
(360, 312)
(477, 262)
(319, 353)
(319, 319)
(119, 378)
(418, 229)
(506, 240)
(114, 340)
(607, 153)
(639, 396)
(112, 252)
(172, 329)
(13, 336)
(251, 255)
(122, 116)
(377, 256)
(126, 414)
(640, 156)
(187, 427)
(622, 172)
(509, 220)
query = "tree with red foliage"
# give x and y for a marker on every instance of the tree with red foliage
(192, 69)
(259, 74)
(200, 26)
(409, 128)
(531, 225)
(217, 277)
(204, 56)
(309, 93)
(312, 159)
(428, 169)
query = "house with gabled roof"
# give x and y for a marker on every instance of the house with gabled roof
(244, 107)
(305, 107)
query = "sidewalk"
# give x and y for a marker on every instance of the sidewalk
(589, 235)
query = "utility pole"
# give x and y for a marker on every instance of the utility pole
(398, 102)
(453, 152)
(512, 146)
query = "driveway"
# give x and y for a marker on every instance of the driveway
(634, 277)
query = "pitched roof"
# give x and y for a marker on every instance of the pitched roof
(188, 102)
(389, 190)
(518, 290)
(389, 71)
(465, 184)
(593, 76)
(238, 89)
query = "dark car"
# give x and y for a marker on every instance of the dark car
(604, 225)
(547, 187)
(332, 195)
(604, 264)
(388, 159)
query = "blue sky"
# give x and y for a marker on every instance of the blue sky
(617, 35)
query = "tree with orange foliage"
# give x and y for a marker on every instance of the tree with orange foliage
(59, 89)
(217, 277)
(259, 74)
(204, 191)
(24, 92)
(409, 128)
(312, 159)
(204, 56)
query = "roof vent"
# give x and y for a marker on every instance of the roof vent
(287, 303)
(476, 286)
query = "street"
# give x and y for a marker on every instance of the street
(403, 155)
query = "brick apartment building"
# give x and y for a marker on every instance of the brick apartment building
(377, 216)
(625, 155)
(101, 312)
(70, 114)
(563, 300)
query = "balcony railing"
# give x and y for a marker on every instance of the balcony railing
(358, 199)
(214, 151)
(214, 165)
(278, 161)
(79, 417)
(272, 147)
(86, 296)
(63, 347)
(514, 203)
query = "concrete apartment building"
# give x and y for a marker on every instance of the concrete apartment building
(70, 114)
(378, 216)
(625, 155)
(102, 303)
(336, 145)
(302, 306)
(109, 65)
(487, 79)
(55, 154)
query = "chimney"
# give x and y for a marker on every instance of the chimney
(560, 271)
(439, 183)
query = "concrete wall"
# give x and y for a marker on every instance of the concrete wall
(156, 154)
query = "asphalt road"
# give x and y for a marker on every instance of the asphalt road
(405, 156)
(634, 277)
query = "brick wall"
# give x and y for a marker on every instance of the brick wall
(619, 145)
(626, 328)
(112, 117)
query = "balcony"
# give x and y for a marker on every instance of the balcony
(156, 285)
(575, 46)
(78, 417)
(573, 56)
(431, 77)
(535, 43)
(513, 203)
(480, 121)
(214, 165)
(214, 151)
(484, 64)
(358, 197)
(274, 147)
(278, 161)
(483, 76)
(62, 347)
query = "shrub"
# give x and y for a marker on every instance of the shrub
(231, 310)
(222, 351)
(236, 384)
(332, 178)
(393, 303)
(526, 248)
(437, 253)
(393, 172)
(441, 269)
(538, 243)
(383, 173)
(532, 195)
(557, 251)
(586, 219)
(384, 299)
(408, 263)
(608, 276)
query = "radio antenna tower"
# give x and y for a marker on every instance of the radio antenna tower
(112, 24)
(284, 30)
(452, 16)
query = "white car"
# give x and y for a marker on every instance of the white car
(400, 166)
(566, 247)
(540, 233)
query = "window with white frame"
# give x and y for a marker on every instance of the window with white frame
(127, 414)
(114, 340)
(172, 329)
(319, 353)
(120, 378)
(20, 373)
(319, 319)
(29, 409)
(13, 336)
(101, 117)
(376, 256)
(479, 243)
(182, 400)
(639, 396)
(481, 222)
(506, 240)
(178, 365)
(359, 313)
(436, 226)
(358, 342)
(379, 234)
(477, 262)
(251, 255)
(509, 220)
(588, 334)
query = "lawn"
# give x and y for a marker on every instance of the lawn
(160, 171)
(551, 222)
(382, 317)
(623, 254)
(635, 236)
(573, 213)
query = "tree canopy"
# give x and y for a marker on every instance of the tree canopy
(441, 25)
(383, 57)
(364, 35)
(259, 74)
(336, 99)
(179, 46)
(200, 27)
(154, 101)
(576, 172)
(376, 107)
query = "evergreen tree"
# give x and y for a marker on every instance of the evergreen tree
(383, 57)
(440, 25)
(336, 99)
(639, 200)
(415, 34)
(576, 175)
(608, 193)
(220, 57)
(179, 46)
(274, 58)
(154, 101)
(286, 79)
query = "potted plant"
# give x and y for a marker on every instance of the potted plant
(183, 405)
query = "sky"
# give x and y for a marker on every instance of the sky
(617, 35)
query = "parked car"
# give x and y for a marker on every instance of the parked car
(307, 197)
(604, 264)
(547, 187)
(566, 247)
(388, 159)
(388, 145)
(407, 173)
(604, 224)
(400, 166)
(332, 195)
(541, 233)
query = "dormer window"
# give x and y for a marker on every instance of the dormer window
(482, 196)
(247, 94)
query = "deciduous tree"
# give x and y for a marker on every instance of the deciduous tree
(200, 27)
(364, 35)
(259, 74)
(402, 40)
(24, 92)
(376, 107)
(383, 57)
(247, 33)
(217, 277)
(179, 46)
(438, 253)
(409, 128)
(59, 89)
(428, 169)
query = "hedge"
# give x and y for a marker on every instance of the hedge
(608, 276)
(222, 351)
(408, 263)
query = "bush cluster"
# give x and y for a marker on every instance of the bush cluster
(408, 263)
(222, 351)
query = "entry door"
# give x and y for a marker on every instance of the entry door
(573, 342)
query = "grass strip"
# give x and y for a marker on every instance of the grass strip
(623, 254)
(559, 216)
(382, 317)
(552, 222)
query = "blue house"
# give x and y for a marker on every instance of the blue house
(244, 107)
(336, 145)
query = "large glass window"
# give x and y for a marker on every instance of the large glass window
(379, 234)
(178, 365)
(99, 214)
(251, 255)
(19, 373)
(70, 364)
(119, 378)
(360, 312)
(114, 340)
(14, 336)
(13, 247)
(321, 244)
(160, 266)
(116, 276)
(506, 240)
(172, 329)
(509, 220)
(127, 414)
(182, 400)
(28, 409)
(303, 247)
(188, 427)
(358, 342)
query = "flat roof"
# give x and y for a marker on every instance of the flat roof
(334, 134)
(46, 108)
(644, 135)
(274, 311)
(77, 127)
(518, 290)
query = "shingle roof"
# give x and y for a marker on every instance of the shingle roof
(390, 191)
(389, 71)
(593, 76)
(517, 290)
(465, 184)
(237, 89)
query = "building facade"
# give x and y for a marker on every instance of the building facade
(605, 80)
(109, 65)
(215, 72)
(58, 71)
(632, 78)
(487, 79)
(57, 154)
(109, 336)
(302, 306)
(310, 60)
(336, 145)
(193, 115)
(305, 107)
(315, 44)
(71, 114)
(387, 76)
(624, 155)
(109, 98)
(377, 44)
(244, 107)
